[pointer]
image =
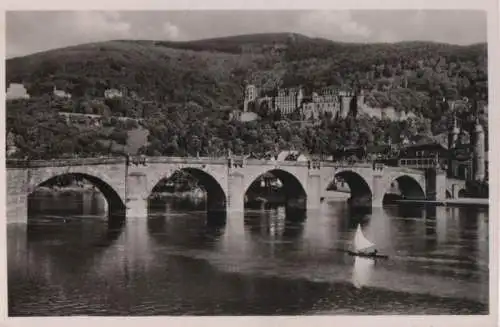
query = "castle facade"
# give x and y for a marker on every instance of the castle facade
(336, 103)
(291, 100)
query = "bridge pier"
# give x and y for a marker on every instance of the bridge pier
(440, 186)
(314, 191)
(136, 201)
(137, 208)
(378, 189)
(18, 190)
(235, 197)
(435, 184)
(17, 208)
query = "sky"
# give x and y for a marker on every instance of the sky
(34, 31)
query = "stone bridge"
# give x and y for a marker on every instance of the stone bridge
(454, 188)
(127, 184)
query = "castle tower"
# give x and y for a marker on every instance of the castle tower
(300, 97)
(463, 137)
(360, 101)
(345, 102)
(479, 152)
(250, 96)
(453, 133)
(452, 142)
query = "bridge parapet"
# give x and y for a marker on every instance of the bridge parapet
(237, 161)
(187, 160)
(259, 162)
(345, 164)
(406, 170)
(14, 163)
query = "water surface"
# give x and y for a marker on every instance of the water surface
(263, 262)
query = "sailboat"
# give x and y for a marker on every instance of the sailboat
(362, 271)
(363, 247)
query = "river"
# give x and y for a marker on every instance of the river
(259, 263)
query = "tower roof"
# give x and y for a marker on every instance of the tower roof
(478, 127)
(454, 127)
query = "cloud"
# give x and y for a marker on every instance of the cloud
(418, 18)
(29, 32)
(98, 24)
(387, 36)
(332, 24)
(33, 31)
(172, 32)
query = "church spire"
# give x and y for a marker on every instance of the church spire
(453, 129)
(479, 151)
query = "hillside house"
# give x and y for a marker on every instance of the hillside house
(61, 94)
(112, 93)
(11, 144)
(292, 156)
(243, 116)
(16, 91)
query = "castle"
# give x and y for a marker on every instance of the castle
(336, 103)
(467, 152)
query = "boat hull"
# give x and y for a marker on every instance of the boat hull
(368, 255)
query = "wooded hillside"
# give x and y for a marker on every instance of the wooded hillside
(185, 89)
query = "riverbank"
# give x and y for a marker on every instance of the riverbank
(336, 195)
(196, 194)
(66, 189)
(452, 202)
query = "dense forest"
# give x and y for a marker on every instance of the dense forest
(184, 91)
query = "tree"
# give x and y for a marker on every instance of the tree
(277, 115)
(172, 148)
(194, 145)
(238, 146)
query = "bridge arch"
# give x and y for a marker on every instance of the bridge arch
(216, 197)
(359, 187)
(455, 191)
(292, 189)
(116, 204)
(455, 188)
(462, 193)
(408, 187)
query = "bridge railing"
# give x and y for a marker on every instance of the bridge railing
(222, 160)
(342, 164)
(186, 160)
(21, 163)
(258, 162)
(419, 162)
(406, 170)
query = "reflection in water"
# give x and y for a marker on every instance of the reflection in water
(407, 210)
(279, 222)
(190, 230)
(45, 204)
(379, 229)
(266, 261)
(161, 205)
(362, 271)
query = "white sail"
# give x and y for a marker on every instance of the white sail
(360, 242)
(362, 271)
